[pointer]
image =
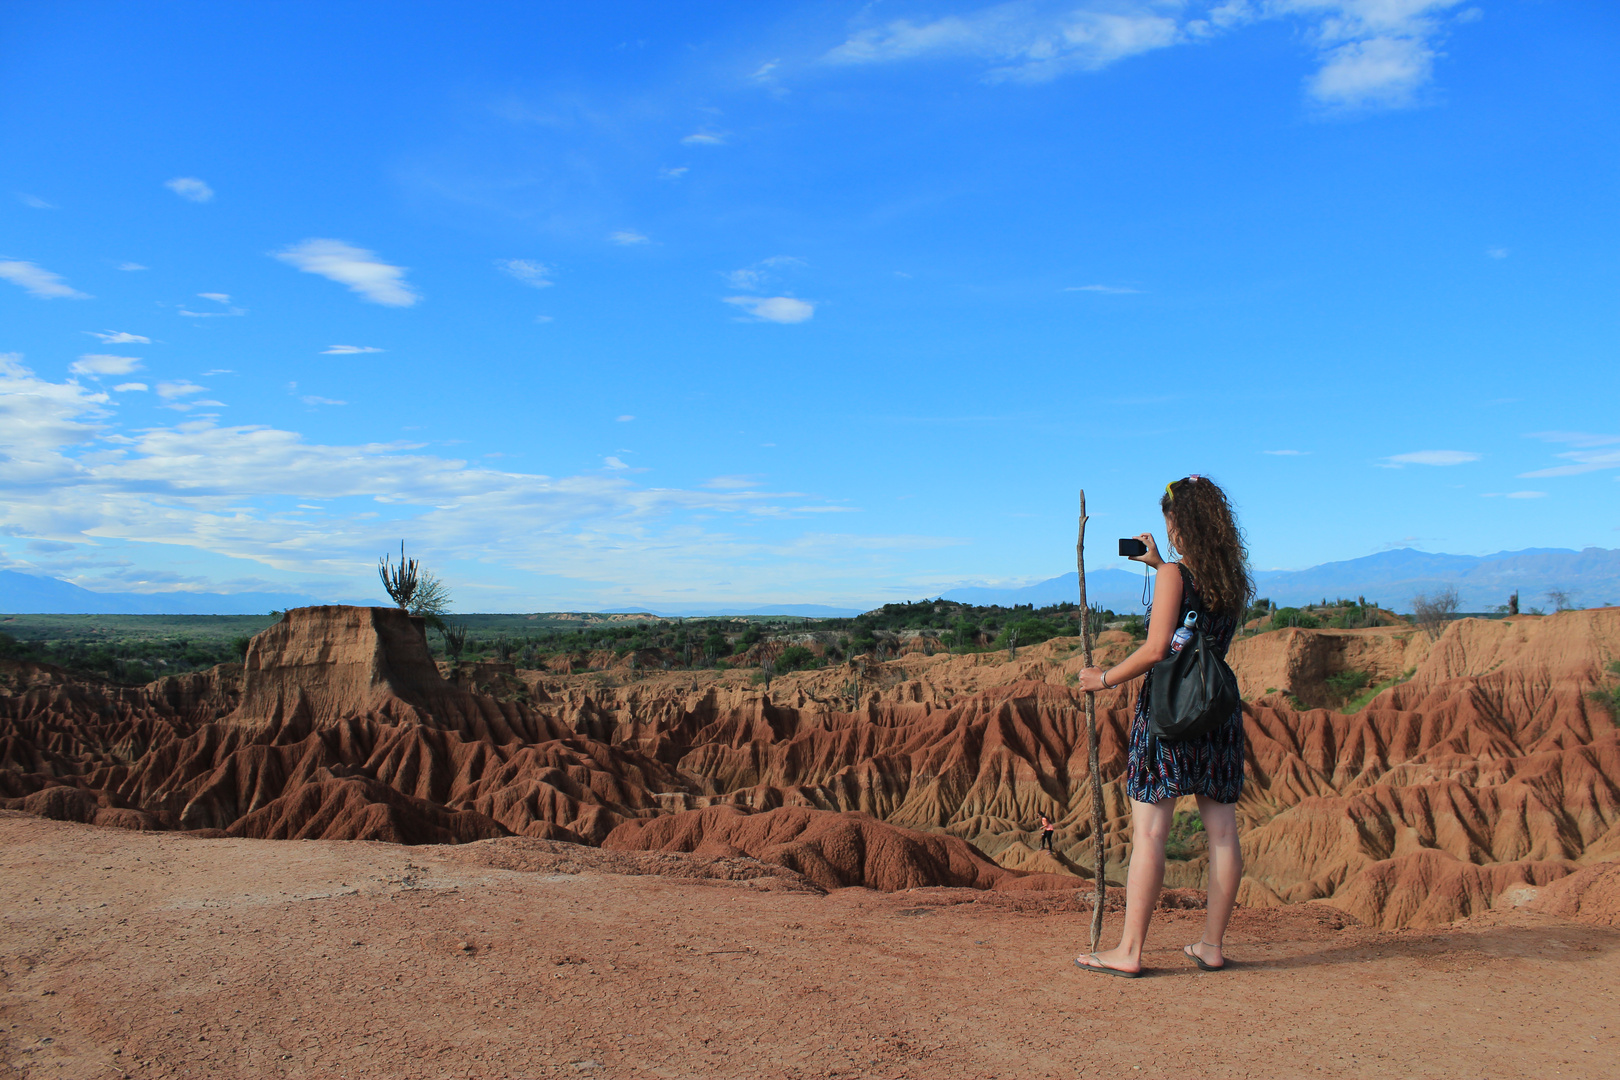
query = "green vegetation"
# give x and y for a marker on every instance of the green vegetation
(136, 648)
(1344, 684)
(1340, 614)
(129, 649)
(1609, 696)
(1186, 838)
(414, 589)
(796, 658)
(931, 625)
(1357, 703)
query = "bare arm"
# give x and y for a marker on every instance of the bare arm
(1167, 589)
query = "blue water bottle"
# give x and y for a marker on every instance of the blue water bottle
(1183, 632)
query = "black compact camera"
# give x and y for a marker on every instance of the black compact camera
(1132, 546)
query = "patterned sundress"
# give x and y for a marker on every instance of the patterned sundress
(1211, 765)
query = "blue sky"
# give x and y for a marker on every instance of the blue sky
(841, 303)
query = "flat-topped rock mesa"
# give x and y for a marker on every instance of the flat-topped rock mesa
(320, 665)
(1485, 777)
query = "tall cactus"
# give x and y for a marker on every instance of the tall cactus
(401, 581)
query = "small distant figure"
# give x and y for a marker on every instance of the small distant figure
(1047, 829)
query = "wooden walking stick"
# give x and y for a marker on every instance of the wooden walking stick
(1097, 823)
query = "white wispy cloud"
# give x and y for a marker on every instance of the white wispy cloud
(706, 138)
(131, 266)
(34, 201)
(761, 274)
(1433, 457)
(349, 350)
(1587, 453)
(1021, 41)
(625, 419)
(227, 314)
(1372, 53)
(777, 309)
(189, 187)
(1497, 252)
(178, 388)
(103, 364)
(613, 463)
(315, 399)
(1513, 495)
(119, 337)
(217, 297)
(1286, 453)
(126, 387)
(1115, 289)
(38, 281)
(674, 173)
(535, 274)
(359, 269)
(627, 237)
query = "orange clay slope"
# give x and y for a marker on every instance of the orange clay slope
(1485, 776)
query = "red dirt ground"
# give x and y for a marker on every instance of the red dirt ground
(163, 955)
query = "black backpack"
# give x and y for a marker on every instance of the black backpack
(1192, 691)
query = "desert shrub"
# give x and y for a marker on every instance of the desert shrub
(1287, 617)
(455, 640)
(1356, 703)
(1433, 612)
(1609, 696)
(795, 658)
(716, 645)
(1027, 631)
(1345, 683)
(1136, 626)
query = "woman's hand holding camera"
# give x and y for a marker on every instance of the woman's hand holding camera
(1151, 556)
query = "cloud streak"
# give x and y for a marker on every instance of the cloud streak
(103, 364)
(1433, 457)
(535, 275)
(38, 281)
(359, 269)
(776, 309)
(1589, 453)
(190, 188)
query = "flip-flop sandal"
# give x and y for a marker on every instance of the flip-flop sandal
(1104, 969)
(1199, 960)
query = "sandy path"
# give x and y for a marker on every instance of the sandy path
(159, 955)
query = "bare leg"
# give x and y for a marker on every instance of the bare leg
(1225, 871)
(1150, 826)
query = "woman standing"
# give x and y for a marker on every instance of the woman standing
(1212, 576)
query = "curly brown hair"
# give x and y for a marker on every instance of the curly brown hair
(1210, 542)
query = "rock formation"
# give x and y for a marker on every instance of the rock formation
(1486, 777)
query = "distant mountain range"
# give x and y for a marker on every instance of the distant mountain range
(33, 594)
(1391, 578)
